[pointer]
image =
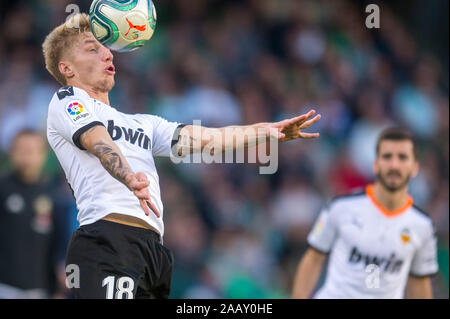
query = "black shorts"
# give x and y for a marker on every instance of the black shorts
(117, 261)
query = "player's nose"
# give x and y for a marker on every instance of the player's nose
(107, 55)
(395, 163)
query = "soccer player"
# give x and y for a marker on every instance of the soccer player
(108, 159)
(378, 240)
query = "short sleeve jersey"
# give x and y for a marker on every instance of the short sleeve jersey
(140, 138)
(372, 251)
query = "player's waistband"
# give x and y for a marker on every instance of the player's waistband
(133, 223)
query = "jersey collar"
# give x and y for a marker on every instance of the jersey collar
(382, 209)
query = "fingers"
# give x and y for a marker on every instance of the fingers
(310, 122)
(302, 118)
(138, 185)
(141, 176)
(142, 193)
(308, 135)
(144, 207)
(147, 205)
(141, 180)
(153, 208)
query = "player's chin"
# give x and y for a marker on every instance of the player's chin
(105, 85)
(109, 83)
(394, 184)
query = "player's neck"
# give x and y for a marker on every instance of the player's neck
(93, 93)
(390, 200)
(100, 96)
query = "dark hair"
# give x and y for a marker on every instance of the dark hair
(396, 134)
(25, 132)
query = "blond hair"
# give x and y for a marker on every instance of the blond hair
(58, 42)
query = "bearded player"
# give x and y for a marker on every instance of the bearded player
(377, 240)
(108, 159)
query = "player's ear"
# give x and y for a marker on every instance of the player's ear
(65, 69)
(375, 166)
(415, 170)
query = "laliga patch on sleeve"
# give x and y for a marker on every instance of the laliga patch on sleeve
(76, 111)
(318, 227)
(65, 91)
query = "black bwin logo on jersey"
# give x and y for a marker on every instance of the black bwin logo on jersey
(130, 135)
(390, 264)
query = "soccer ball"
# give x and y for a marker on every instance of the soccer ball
(122, 25)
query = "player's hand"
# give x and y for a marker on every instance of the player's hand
(138, 184)
(291, 129)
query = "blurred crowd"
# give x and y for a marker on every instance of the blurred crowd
(236, 233)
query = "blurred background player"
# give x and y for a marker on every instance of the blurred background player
(378, 240)
(250, 61)
(31, 227)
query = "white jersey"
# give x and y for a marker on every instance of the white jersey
(372, 251)
(140, 137)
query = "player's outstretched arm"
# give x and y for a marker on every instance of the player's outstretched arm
(97, 141)
(194, 139)
(308, 272)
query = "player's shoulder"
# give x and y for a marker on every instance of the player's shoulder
(65, 92)
(152, 118)
(355, 196)
(421, 215)
(68, 93)
(72, 101)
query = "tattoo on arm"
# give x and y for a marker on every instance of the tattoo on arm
(186, 145)
(112, 161)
